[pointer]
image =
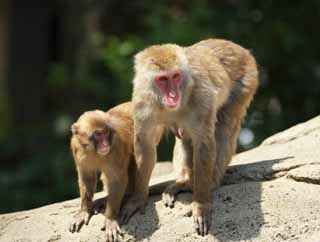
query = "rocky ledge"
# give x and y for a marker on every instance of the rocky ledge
(270, 193)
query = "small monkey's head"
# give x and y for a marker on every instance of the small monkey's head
(163, 69)
(94, 132)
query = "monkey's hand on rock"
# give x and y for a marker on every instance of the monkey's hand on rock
(112, 229)
(82, 217)
(171, 192)
(134, 204)
(201, 214)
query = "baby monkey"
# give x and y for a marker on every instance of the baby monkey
(103, 141)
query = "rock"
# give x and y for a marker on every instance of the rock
(278, 154)
(270, 193)
(162, 168)
(308, 173)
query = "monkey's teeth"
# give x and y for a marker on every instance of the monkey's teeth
(172, 94)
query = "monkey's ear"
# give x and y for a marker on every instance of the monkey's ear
(75, 128)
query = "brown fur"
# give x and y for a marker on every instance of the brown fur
(114, 166)
(220, 79)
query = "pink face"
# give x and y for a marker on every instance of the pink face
(169, 84)
(101, 141)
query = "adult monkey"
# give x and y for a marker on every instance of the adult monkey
(202, 93)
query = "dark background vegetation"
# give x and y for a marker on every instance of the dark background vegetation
(61, 58)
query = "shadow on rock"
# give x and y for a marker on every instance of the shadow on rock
(256, 171)
(148, 217)
(237, 213)
(144, 223)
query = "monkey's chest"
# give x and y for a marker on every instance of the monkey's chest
(177, 122)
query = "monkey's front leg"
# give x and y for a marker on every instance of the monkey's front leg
(145, 154)
(116, 191)
(87, 185)
(204, 155)
(182, 162)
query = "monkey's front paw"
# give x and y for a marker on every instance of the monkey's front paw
(169, 196)
(201, 217)
(82, 217)
(170, 193)
(130, 208)
(112, 229)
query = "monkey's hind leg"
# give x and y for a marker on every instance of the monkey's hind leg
(182, 161)
(229, 120)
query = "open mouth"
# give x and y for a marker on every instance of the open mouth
(169, 84)
(172, 99)
(172, 103)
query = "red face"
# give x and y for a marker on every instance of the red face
(101, 140)
(169, 84)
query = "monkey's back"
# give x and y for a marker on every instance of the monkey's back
(234, 58)
(123, 109)
(121, 118)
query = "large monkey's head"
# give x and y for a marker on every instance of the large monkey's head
(163, 70)
(94, 132)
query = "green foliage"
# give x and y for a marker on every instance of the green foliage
(56, 76)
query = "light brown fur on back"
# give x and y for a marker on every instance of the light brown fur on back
(235, 59)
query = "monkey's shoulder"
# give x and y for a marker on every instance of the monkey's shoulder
(206, 69)
(121, 115)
